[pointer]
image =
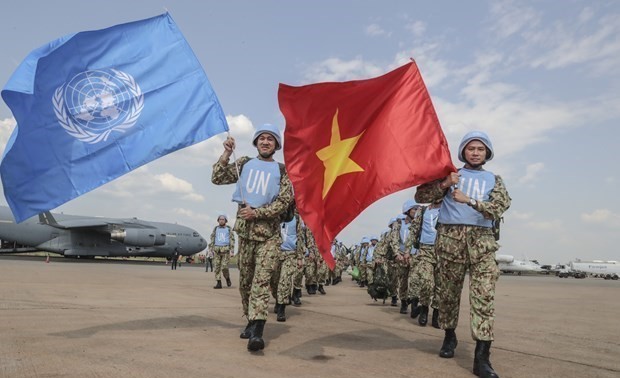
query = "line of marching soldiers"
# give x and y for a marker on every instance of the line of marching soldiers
(401, 262)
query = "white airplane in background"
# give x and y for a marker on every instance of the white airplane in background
(508, 264)
(605, 269)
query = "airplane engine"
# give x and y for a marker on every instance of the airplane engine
(507, 259)
(139, 237)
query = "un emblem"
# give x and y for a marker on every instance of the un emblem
(93, 104)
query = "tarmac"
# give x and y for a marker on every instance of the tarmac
(103, 319)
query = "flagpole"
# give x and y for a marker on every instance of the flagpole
(237, 169)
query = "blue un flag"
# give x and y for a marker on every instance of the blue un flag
(95, 105)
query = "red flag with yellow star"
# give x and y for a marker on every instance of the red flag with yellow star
(348, 144)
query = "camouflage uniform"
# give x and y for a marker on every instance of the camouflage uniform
(222, 254)
(310, 260)
(286, 268)
(259, 241)
(413, 281)
(426, 271)
(400, 268)
(466, 247)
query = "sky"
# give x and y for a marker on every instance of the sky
(540, 77)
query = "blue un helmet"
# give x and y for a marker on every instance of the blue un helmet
(270, 129)
(374, 237)
(392, 220)
(408, 205)
(365, 240)
(476, 135)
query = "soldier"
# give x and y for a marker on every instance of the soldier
(398, 237)
(311, 263)
(264, 193)
(291, 259)
(472, 200)
(299, 274)
(424, 233)
(223, 247)
(413, 293)
(363, 280)
(370, 262)
(391, 263)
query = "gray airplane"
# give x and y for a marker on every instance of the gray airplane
(87, 237)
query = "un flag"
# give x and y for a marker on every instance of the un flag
(95, 105)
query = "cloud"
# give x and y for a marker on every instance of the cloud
(510, 18)
(521, 216)
(531, 173)
(551, 225)
(141, 183)
(602, 216)
(418, 28)
(336, 69)
(375, 30)
(6, 129)
(208, 151)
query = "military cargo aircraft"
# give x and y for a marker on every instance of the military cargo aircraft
(508, 264)
(87, 237)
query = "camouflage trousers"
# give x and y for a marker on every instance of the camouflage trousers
(337, 272)
(321, 271)
(363, 271)
(299, 276)
(282, 278)
(413, 281)
(460, 248)
(256, 262)
(370, 271)
(427, 276)
(310, 271)
(401, 275)
(221, 255)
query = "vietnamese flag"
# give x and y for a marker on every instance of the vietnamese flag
(349, 144)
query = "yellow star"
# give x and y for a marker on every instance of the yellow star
(335, 157)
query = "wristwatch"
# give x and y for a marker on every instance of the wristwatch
(472, 202)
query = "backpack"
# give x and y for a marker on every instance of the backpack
(380, 286)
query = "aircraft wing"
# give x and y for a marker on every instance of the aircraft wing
(93, 223)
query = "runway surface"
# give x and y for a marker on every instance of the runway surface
(98, 319)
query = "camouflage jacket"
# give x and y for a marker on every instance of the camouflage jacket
(394, 239)
(493, 208)
(266, 225)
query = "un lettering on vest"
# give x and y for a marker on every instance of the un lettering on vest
(473, 187)
(474, 184)
(260, 182)
(222, 237)
(257, 182)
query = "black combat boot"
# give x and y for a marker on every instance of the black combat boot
(394, 301)
(328, 282)
(449, 344)
(482, 365)
(281, 313)
(403, 306)
(435, 321)
(423, 319)
(228, 282)
(313, 289)
(256, 342)
(415, 309)
(321, 290)
(308, 289)
(218, 285)
(247, 332)
(276, 307)
(296, 296)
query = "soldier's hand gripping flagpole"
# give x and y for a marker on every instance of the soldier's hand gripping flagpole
(237, 169)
